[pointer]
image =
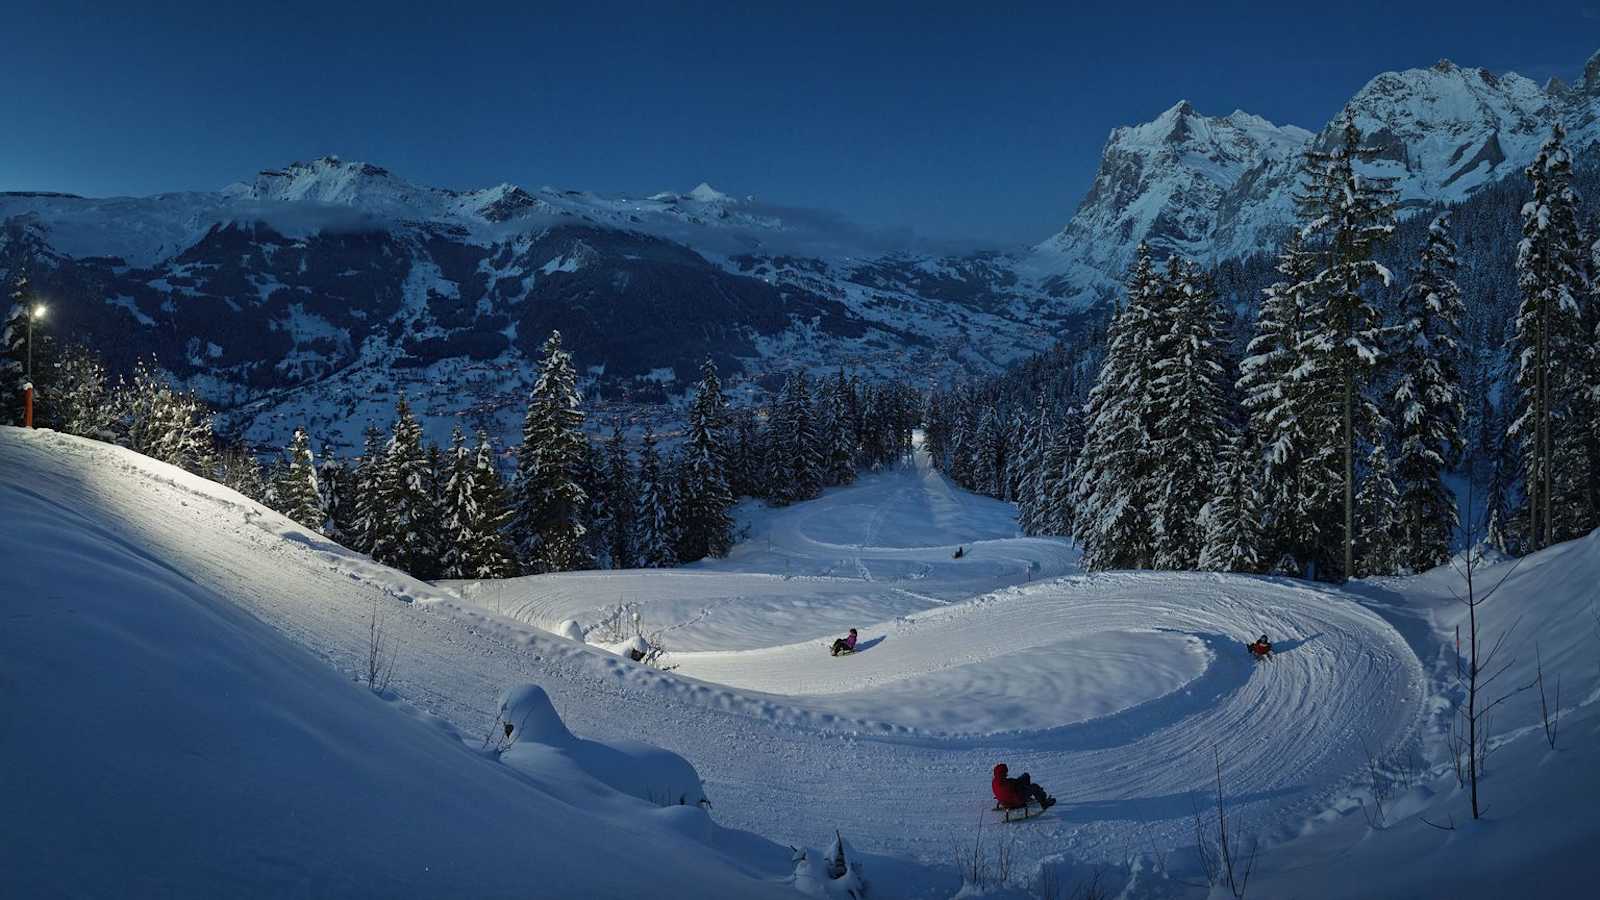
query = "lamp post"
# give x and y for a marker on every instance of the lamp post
(34, 312)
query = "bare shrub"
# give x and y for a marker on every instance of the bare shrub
(1552, 721)
(1221, 858)
(1482, 670)
(1382, 786)
(380, 653)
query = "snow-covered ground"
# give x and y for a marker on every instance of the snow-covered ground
(167, 640)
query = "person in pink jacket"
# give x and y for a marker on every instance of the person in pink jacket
(845, 644)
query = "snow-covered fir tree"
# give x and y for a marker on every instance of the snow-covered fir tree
(239, 469)
(366, 505)
(1425, 404)
(652, 536)
(1346, 215)
(1231, 519)
(474, 513)
(624, 493)
(1288, 398)
(403, 506)
(990, 448)
(1033, 486)
(333, 477)
(549, 502)
(1112, 493)
(840, 444)
(704, 519)
(1188, 413)
(82, 402)
(1060, 459)
(14, 350)
(1377, 516)
(797, 454)
(162, 423)
(298, 493)
(1551, 346)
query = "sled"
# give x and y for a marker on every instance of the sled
(841, 652)
(1259, 657)
(1019, 813)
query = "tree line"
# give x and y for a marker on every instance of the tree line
(566, 503)
(1318, 435)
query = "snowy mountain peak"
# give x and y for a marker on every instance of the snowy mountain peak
(1216, 188)
(705, 193)
(1591, 76)
(1166, 181)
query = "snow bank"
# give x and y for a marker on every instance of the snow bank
(540, 745)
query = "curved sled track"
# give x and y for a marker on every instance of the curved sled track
(892, 746)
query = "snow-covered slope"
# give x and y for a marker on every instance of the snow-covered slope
(167, 639)
(160, 740)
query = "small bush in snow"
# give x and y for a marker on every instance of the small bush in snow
(380, 653)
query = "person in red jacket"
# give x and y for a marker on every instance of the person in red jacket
(1014, 793)
(1262, 648)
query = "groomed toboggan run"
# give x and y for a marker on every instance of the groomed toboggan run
(1119, 692)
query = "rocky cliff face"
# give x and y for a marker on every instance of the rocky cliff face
(1217, 188)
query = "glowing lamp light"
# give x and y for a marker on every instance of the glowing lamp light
(38, 311)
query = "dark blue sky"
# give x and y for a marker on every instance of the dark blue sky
(980, 120)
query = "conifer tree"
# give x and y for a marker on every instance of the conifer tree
(798, 455)
(1112, 492)
(1346, 216)
(1188, 398)
(474, 513)
(82, 403)
(333, 477)
(989, 451)
(1033, 489)
(298, 494)
(841, 445)
(239, 469)
(1426, 404)
(1231, 519)
(1377, 514)
(1286, 394)
(549, 501)
(165, 424)
(705, 521)
(1550, 345)
(1059, 461)
(367, 502)
(494, 556)
(14, 354)
(652, 538)
(624, 491)
(402, 510)
(459, 531)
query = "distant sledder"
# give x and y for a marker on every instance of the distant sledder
(1012, 795)
(845, 645)
(1261, 649)
(960, 552)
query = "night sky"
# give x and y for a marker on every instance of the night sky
(974, 120)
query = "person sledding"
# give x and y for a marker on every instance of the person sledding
(1261, 648)
(1012, 794)
(846, 644)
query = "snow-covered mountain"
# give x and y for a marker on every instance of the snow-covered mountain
(310, 290)
(1219, 188)
(324, 284)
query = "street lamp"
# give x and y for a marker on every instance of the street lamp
(37, 312)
